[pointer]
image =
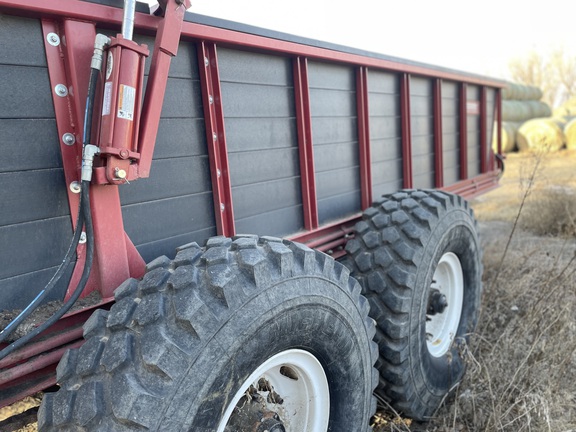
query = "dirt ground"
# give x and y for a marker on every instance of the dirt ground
(522, 358)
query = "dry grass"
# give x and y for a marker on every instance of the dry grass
(522, 359)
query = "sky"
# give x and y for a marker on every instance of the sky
(479, 37)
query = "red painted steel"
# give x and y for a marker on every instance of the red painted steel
(364, 137)
(499, 119)
(116, 256)
(121, 111)
(165, 47)
(483, 131)
(36, 363)
(405, 120)
(438, 147)
(476, 186)
(463, 132)
(305, 144)
(216, 139)
(68, 113)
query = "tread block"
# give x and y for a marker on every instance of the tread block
(153, 280)
(160, 262)
(126, 289)
(89, 403)
(95, 325)
(188, 256)
(89, 356)
(67, 365)
(121, 313)
(118, 351)
(183, 277)
(150, 309)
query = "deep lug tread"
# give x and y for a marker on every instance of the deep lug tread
(385, 257)
(159, 326)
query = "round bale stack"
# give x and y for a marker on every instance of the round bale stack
(540, 134)
(520, 103)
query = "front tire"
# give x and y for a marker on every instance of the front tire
(418, 259)
(239, 334)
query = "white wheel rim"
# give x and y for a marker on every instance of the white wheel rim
(306, 400)
(441, 328)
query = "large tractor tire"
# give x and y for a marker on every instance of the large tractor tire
(418, 259)
(249, 334)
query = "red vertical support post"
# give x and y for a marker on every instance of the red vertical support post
(216, 139)
(463, 132)
(305, 145)
(364, 136)
(116, 259)
(498, 125)
(406, 130)
(438, 148)
(483, 132)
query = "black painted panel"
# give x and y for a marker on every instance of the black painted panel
(25, 93)
(180, 138)
(268, 206)
(149, 251)
(335, 137)
(385, 132)
(22, 41)
(32, 195)
(183, 99)
(33, 246)
(259, 110)
(156, 220)
(451, 132)
(422, 128)
(29, 144)
(170, 178)
(251, 134)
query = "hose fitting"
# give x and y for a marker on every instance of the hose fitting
(90, 151)
(99, 44)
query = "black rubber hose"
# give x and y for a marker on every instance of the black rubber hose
(81, 285)
(10, 328)
(84, 217)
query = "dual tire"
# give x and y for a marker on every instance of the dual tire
(244, 333)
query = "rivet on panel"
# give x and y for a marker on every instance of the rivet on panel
(75, 187)
(61, 90)
(53, 39)
(68, 139)
(222, 207)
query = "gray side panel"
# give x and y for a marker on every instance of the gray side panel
(335, 137)
(473, 123)
(262, 140)
(385, 132)
(35, 226)
(422, 123)
(174, 205)
(450, 132)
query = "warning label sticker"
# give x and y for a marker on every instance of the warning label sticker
(126, 102)
(107, 102)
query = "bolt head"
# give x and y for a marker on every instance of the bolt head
(61, 90)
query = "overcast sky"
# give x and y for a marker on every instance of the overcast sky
(479, 37)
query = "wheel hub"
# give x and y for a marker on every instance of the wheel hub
(437, 302)
(445, 303)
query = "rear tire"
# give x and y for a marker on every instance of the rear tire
(418, 259)
(178, 348)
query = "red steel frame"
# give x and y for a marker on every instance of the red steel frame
(116, 256)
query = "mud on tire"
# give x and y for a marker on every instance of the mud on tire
(177, 345)
(405, 241)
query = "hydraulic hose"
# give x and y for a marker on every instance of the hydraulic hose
(10, 328)
(84, 218)
(81, 285)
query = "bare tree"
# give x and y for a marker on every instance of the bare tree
(554, 74)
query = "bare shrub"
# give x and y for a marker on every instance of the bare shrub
(550, 212)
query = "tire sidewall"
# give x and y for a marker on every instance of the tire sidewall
(456, 233)
(307, 313)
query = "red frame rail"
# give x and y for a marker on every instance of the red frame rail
(116, 256)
